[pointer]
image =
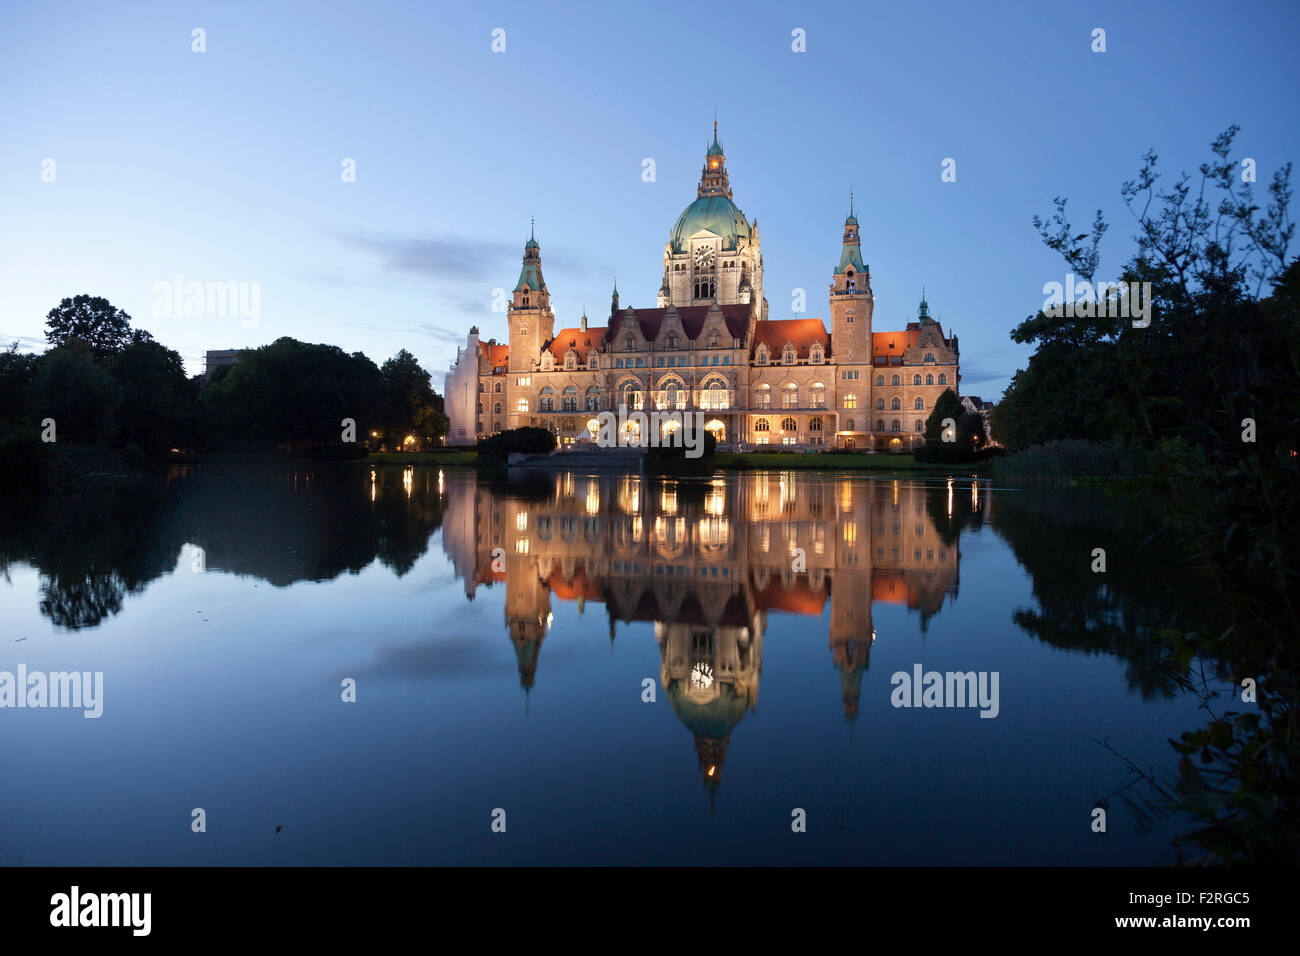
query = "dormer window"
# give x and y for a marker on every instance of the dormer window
(762, 356)
(788, 357)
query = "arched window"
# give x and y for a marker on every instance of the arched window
(790, 396)
(482, 387)
(848, 424)
(763, 396)
(943, 379)
(896, 381)
(593, 398)
(850, 401)
(895, 404)
(880, 380)
(762, 425)
(521, 405)
(929, 356)
(630, 395)
(895, 426)
(880, 404)
(546, 403)
(715, 394)
(592, 360)
(814, 424)
(497, 408)
(628, 343)
(815, 355)
(880, 424)
(920, 425)
(916, 380)
(817, 395)
(788, 357)
(919, 404)
(762, 355)
(498, 388)
(929, 380)
(570, 359)
(789, 425)
(570, 399)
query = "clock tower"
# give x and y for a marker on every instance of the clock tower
(532, 324)
(712, 254)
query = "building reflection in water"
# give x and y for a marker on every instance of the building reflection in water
(706, 561)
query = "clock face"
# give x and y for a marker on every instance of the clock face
(702, 676)
(704, 256)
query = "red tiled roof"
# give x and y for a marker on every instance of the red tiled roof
(692, 318)
(578, 340)
(801, 333)
(798, 599)
(580, 586)
(498, 356)
(890, 587)
(891, 343)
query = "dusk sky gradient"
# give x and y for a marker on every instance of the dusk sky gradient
(225, 166)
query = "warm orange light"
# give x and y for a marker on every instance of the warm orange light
(410, 439)
(711, 769)
(714, 164)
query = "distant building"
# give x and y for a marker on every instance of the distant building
(214, 359)
(709, 346)
(974, 405)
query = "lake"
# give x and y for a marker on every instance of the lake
(611, 669)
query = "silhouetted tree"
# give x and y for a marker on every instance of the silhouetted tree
(90, 319)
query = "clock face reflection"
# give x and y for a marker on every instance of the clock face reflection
(702, 676)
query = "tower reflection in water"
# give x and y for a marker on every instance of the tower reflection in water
(706, 561)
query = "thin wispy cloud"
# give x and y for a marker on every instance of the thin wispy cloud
(438, 257)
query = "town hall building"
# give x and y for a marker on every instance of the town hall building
(709, 346)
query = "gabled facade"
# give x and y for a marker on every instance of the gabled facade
(708, 345)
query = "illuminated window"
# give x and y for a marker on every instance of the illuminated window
(521, 405)
(850, 401)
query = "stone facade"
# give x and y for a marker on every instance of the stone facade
(709, 346)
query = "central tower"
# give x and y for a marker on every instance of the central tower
(712, 254)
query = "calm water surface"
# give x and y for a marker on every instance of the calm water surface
(503, 636)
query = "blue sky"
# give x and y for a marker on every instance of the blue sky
(225, 165)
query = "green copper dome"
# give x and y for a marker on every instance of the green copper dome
(717, 214)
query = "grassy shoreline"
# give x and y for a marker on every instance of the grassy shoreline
(737, 461)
